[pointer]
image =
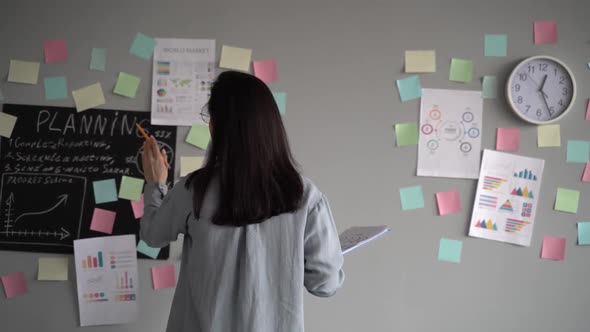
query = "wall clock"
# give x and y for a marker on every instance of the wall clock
(541, 89)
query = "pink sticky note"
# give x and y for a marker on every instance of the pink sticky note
(137, 207)
(265, 70)
(14, 284)
(55, 51)
(553, 248)
(588, 111)
(586, 176)
(508, 139)
(103, 221)
(163, 276)
(448, 202)
(545, 32)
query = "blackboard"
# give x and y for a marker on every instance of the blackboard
(48, 166)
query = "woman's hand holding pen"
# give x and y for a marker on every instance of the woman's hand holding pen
(155, 162)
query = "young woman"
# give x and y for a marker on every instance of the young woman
(255, 231)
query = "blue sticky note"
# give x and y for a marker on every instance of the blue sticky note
(281, 100)
(56, 88)
(450, 250)
(98, 59)
(409, 88)
(583, 233)
(488, 87)
(143, 46)
(143, 248)
(411, 198)
(105, 191)
(495, 45)
(578, 151)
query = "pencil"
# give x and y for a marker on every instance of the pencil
(142, 132)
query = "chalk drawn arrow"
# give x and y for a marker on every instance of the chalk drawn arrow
(61, 199)
(62, 235)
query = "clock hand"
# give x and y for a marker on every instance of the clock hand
(536, 84)
(543, 84)
(546, 104)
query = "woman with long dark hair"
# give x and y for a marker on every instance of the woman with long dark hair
(255, 231)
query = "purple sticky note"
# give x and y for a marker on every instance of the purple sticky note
(508, 139)
(103, 221)
(553, 248)
(266, 70)
(545, 32)
(14, 284)
(448, 202)
(586, 176)
(163, 276)
(55, 51)
(137, 207)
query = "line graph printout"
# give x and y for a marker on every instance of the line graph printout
(450, 133)
(506, 199)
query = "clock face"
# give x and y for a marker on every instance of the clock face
(541, 89)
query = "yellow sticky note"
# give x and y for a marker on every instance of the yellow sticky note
(88, 97)
(199, 136)
(7, 123)
(23, 72)
(53, 268)
(420, 61)
(549, 136)
(190, 164)
(235, 58)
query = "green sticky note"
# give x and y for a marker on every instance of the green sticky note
(411, 198)
(406, 133)
(567, 200)
(98, 59)
(578, 151)
(549, 136)
(461, 70)
(23, 72)
(488, 87)
(199, 136)
(131, 188)
(127, 85)
(53, 268)
(583, 233)
(409, 88)
(281, 100)
(7, 123)
(143, 46)
(450, 250)
(495, 45)
(143, 248)
(56, 87)
(105, 191)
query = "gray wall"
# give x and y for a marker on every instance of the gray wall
(338, 60)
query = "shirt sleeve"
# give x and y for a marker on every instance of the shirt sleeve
(165, 214)
(323, 256)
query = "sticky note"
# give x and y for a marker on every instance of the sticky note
(198, 136)
(103, 221)
(14, 284)
(127, 85)
(281, 100)
(508, 139)
(98, 59)
(266, 70)
(235, 58)
(495, 45)
(143, 248)
(420, 61)
(411, 198)
(545, 32)
(578, 151)
(55, 51)
(105, 191)
(489, 87)
(586, 175)
(406, 133)
(450, 250)
(549, 135)
(409, 88)
(448, 202)
(56, 87)
(583, 233)
(190, 164)
(143, 46)
(461, 70)
(1, 95)
(588, 111)
(553, 248)
(137, 207)
(88, 97)
(567, 200)
(53, 268)
(23, 72)
(163, 276)
(7, 123)
(131, 188)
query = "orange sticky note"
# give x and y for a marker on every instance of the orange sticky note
(553, 248)
(508, 139)
(14, 284)
(55, 51)
(586, 176)
(448, 202)
(266, 70)
(103, 221)
(545, 32)
(137, 207)
(163, 276)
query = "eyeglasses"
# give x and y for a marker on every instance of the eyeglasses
(205, 115)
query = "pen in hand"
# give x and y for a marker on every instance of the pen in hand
(147, 138)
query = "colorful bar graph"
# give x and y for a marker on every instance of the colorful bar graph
(92, 262)
(100, 258)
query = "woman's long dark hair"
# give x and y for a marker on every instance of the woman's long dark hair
(249, 152)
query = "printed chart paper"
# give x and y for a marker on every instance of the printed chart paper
(182, 74)
(450, 133)
(507, 198)
(106, 273)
